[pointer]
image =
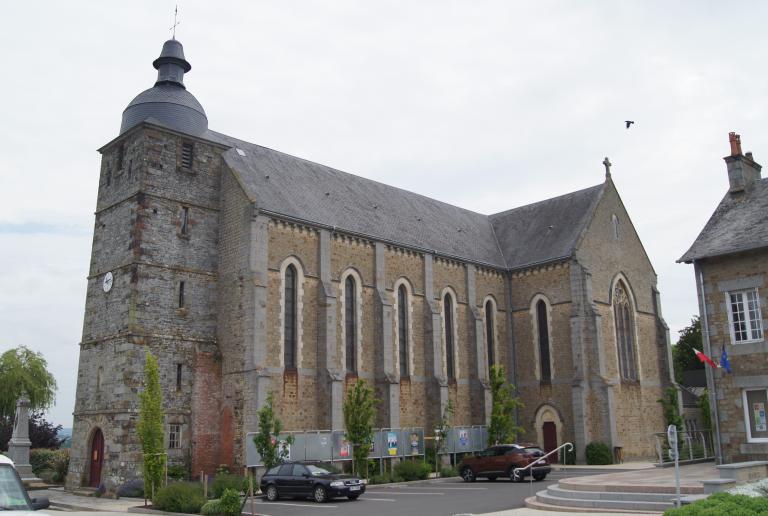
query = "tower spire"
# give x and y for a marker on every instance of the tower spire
(175, 22)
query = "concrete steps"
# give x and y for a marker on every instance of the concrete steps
(558, 497)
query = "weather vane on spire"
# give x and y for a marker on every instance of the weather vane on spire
(175, 22)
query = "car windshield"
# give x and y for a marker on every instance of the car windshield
(12, 494)
(534, 451)
(317, 471)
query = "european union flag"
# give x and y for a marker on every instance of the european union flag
(724, 361)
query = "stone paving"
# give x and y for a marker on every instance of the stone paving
(655, 480)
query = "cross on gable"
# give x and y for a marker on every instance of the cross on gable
(607, 164)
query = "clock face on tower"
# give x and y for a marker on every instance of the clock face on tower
(107, 283)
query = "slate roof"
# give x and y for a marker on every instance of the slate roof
(546, 230)
(740, 223)
(308, 191)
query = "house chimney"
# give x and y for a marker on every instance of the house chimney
(742, 169)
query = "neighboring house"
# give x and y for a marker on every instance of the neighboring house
(730, 259)
(694, 384)
(246, 270)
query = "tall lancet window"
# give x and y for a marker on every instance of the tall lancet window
(543, 327)
(449, 336)
(289, 334)
(402, 329)
(625, 332)
(490, 341)
(350, 322)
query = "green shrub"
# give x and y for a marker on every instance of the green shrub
(380, 479)
(723, 504)
(449, 472)
(211, 508)
(230, 502)
(412, 470)
(227, 481)
(179, 497)
(599, 453)
(61, 465)
(41, 459)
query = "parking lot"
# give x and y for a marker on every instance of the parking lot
(426, 498)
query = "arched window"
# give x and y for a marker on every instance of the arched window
(625, 332)
(490, 325)
(290, 322)
(350, 323)
(402, 329)
(542, 322)
(449, 336)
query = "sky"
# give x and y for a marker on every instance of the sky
(487, 105)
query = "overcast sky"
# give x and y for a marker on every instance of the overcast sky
(487, 105)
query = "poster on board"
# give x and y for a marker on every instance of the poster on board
(392, 443)
(463, 438)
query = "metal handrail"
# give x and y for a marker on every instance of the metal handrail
(543, 457)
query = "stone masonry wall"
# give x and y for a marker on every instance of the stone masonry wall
(749, 361)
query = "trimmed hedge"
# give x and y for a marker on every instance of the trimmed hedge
(180, 497)
(599, 453)
(724, 504)
(412, 470)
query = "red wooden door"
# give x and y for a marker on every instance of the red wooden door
(550, 439)
(97, 458)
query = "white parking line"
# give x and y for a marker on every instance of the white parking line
(414, 493)
(467, 488)
(317, 506)
(365, 498)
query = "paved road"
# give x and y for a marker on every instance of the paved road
(428, 498)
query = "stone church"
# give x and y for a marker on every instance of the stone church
(247, 271)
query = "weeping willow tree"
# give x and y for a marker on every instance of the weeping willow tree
(24, 371)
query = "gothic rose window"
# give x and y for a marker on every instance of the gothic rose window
(625, 334)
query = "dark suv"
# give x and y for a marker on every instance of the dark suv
(501, 461)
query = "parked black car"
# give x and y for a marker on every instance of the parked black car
(296, 479)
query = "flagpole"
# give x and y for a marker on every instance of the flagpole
(708, 350)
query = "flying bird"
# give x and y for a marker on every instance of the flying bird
(629, 122)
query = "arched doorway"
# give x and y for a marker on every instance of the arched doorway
(549, 429)
(96, 458)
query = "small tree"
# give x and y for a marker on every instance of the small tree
(150, 427)
(42, 433)
(504, 403)
(706, 410)
(671, 408)
(444, 427)
(271, 450)
(359, 413)
(24, 371)
(683, 356)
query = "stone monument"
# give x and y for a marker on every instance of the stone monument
(18, 447)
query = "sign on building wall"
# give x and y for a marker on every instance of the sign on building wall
(759, 412)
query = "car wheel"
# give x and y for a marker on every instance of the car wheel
(272, 493)
(353, 497)
(319, 494)
(514, 476)
(467, 474)
(492, 478)
(539, 478)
